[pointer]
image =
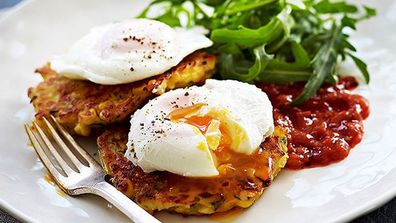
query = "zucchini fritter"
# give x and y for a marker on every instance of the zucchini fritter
(78, 104)
(240, 183)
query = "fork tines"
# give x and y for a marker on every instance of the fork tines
(40, 138)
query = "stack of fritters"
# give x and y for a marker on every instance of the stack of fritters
(81, 105)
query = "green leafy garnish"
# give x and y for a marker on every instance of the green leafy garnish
(275, 41)
(324, 64)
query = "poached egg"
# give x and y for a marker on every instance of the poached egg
(179, 130)
(128, 51)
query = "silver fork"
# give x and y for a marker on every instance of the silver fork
(88, 179)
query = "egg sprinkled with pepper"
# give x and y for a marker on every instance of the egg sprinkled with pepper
(128, 51)
(179, 131)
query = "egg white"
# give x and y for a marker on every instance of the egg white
(128, 51)
(157, 143)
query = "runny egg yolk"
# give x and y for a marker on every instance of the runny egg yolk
(220, 142)
(215, 132)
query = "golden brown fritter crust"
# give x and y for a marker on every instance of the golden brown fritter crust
(158, 191)
(78, 104)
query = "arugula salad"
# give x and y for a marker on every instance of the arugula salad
(273, 41)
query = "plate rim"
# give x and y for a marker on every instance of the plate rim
(348, 216)
(367, 207)
(8, 208)
(14, 212)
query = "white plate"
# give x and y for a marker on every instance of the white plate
(39, 29)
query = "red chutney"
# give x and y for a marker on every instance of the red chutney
(325, 128)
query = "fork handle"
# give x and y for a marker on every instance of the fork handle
(123, 203)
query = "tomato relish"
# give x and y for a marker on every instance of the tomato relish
(325, 128)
